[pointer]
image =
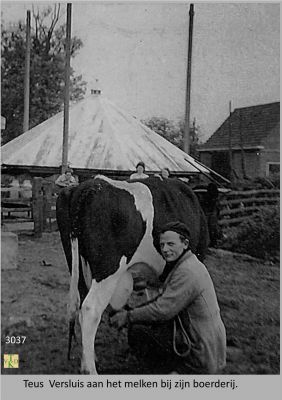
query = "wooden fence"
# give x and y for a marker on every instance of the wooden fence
(237, 205)
(43, 205)
(15, 203)
(39, 207)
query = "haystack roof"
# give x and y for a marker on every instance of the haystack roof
(101, 136)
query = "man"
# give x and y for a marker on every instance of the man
(164, 174)
(140, 172)
(181, 329)
(66, 179)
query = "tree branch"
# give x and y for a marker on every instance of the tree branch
(54, 21)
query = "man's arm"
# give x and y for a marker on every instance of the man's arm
(60, 181)
(178, 293)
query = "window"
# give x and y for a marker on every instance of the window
(272, 169)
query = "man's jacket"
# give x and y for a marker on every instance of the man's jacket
(188, 292)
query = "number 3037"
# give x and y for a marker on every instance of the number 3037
(15, 339)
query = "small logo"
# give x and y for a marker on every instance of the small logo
(11, 361)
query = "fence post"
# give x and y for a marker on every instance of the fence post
(47, 198)
(239, 205)
(37, 206)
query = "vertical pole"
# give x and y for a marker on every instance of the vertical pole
(194, 133)
(27, 75)
(188, 83)
(67, 91)
(47, 204)
(243, 163)
(37, 206)
(230, 145)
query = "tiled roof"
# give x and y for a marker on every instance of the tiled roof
(255, 123)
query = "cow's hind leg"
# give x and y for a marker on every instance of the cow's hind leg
(74, 297)
(92, 308)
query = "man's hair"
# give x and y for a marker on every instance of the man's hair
(178, 227)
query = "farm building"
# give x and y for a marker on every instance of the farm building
(102, 139)
(253, 133)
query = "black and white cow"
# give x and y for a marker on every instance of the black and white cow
(109, 227)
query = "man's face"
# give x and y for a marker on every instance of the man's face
(172, 246)
(68, 175)
(140, 169)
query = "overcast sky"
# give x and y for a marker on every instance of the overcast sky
(138, 51)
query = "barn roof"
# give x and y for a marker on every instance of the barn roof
(101, 136)
(249, 126)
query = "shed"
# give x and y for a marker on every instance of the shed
(255, 142)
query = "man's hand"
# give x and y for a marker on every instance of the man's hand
(119, 320)
(139, 284)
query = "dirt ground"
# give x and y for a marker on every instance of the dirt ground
(34, 299)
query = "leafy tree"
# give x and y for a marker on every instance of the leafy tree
(165, 128)
(174, 132)
(47, 64)
(195, 137)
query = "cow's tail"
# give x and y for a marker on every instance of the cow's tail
(74, 297)
(71, 335)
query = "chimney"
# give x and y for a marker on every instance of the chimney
(96, 91)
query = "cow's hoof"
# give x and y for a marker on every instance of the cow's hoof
(88, 371)
(84, 372)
